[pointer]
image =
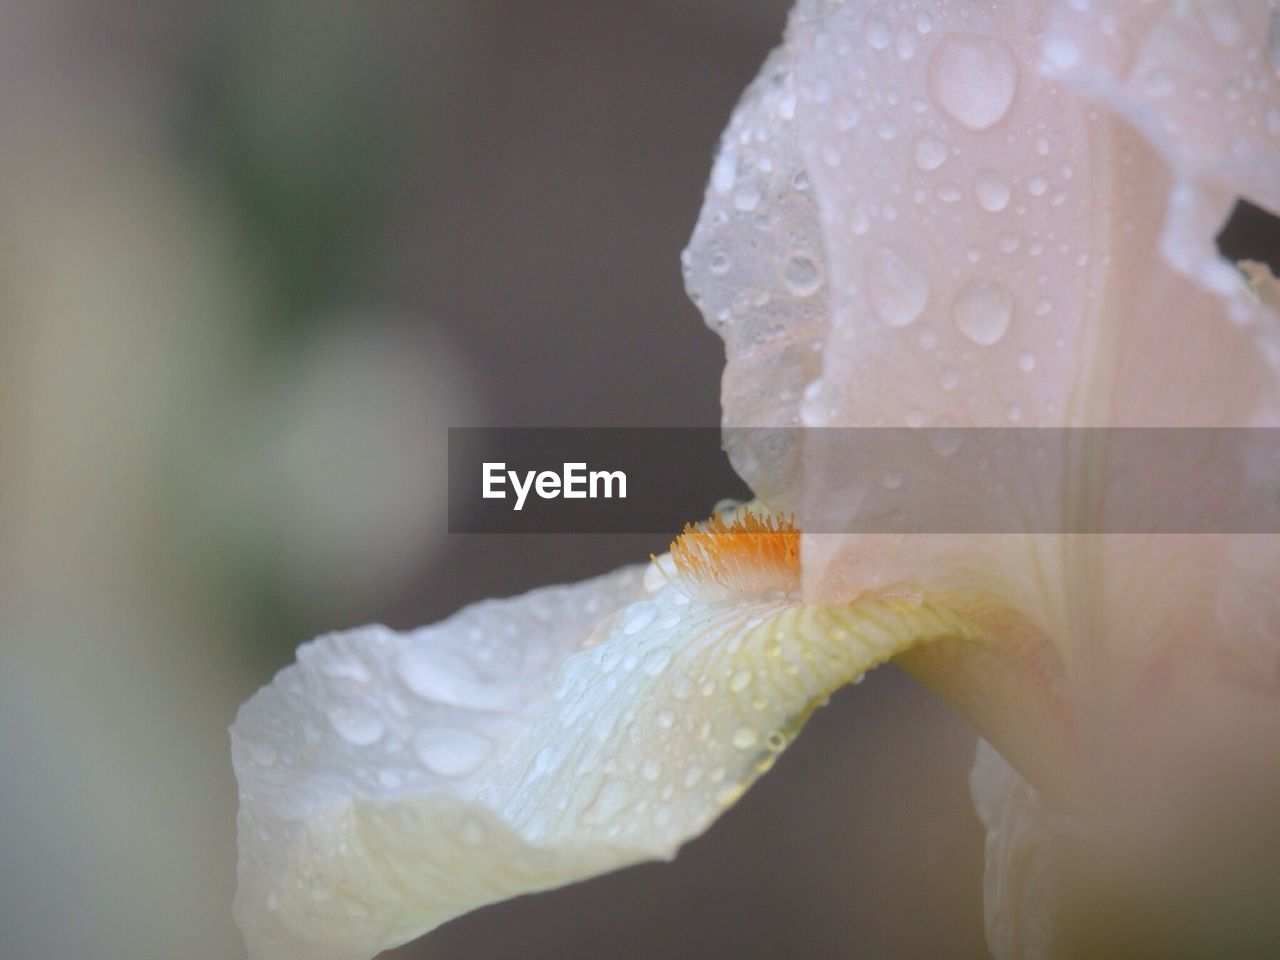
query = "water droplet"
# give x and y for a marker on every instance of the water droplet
(950, 379)
(801, 275)
(924, 22)
(905, 44)
(1062, 53)
(991, 191)
(655, 661)
(898, 288)
(724, 172)
(949, 193)
(931, 153)
(666, 718)
(1026, 361)
(745, 737)
(787, 105)
(344, 667)
(719, 263)
(877, 33)
(264, 754)
(945, 437)
(747, 197)
(885, 130)
(638, 616)
(892, 481)
(1008, 242)
(1042, 146)
(609, 802)
(973, 78)
(472, 833)
(740, 681)
(983, 312)
(356, 725)
(450, 751)
(1014, 413)
(651, 769)
(813, 412)
(1043, 307)
(1036, 186)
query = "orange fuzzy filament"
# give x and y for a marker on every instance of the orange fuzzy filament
(752, 552)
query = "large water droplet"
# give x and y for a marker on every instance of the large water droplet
(931, 153)
(637, 616)
(451, 752)
(898, 288)
(877, 33)
(356, 725)
(991, 191)
(983, 312)
(973, 78)
(747, 197)
(801, 275)
(745, 737)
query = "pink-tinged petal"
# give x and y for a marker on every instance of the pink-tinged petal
(1016, 228)
(1201, 81)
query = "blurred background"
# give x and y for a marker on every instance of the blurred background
(255, 258)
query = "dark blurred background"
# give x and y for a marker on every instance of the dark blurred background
(255, 258)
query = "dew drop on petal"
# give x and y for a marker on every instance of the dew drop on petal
(263, 753)
(655, 661)
(356, 725)
(651, 769)
(931, 153)
(746, 198)
(877, 33)
(945, 437)
(802, 275)
(609, 802)
(745, 737)
(1026, 361)
(898, 288)
(724, 173)
(991, 191)
(983, 312)
(638, 616)
(451, 752)
(740, 681)
(973, 78)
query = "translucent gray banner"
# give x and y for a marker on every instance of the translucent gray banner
(899, 480)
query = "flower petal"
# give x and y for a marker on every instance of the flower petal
(392, 781)
(338, 738)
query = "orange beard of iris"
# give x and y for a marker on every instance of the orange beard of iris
(748, 554)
